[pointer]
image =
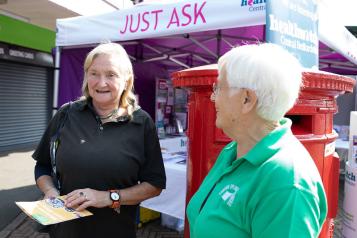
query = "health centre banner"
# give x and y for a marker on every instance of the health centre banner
(160, 19)
(293, 24)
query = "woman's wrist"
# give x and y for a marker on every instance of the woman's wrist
(50, 189)
(115, 198)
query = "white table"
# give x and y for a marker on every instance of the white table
(172, 200)
(342, 144)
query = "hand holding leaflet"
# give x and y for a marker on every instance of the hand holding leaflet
(51, 211)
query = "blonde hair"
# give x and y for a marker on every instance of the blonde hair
(128, 99)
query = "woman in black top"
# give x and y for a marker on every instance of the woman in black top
(109, 157)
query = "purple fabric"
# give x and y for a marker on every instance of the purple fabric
(333, 62)
(144, 84)
(184, 49)
(71, 74)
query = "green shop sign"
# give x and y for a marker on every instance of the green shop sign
(23, 34)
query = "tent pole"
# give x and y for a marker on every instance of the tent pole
(219, 42)
(203, 47)
(56, 80)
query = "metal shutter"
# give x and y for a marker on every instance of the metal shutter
(23, 104)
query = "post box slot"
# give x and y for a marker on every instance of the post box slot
(302, 124)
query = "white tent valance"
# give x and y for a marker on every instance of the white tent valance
(156, 20)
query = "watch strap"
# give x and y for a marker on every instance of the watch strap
(115, 204)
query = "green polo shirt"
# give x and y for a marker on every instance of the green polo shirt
(275, 190)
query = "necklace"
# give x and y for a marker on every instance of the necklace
(110, 115)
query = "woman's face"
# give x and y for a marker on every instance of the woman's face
(105, 81)
(227, 105)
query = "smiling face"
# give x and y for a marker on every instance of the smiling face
(105, 81)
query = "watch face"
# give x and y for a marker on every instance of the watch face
(114, 196)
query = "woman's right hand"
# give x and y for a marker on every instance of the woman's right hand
(51, 193)
(45, 184)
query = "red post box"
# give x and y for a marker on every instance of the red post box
(312, 118)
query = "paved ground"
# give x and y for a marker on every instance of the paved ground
(22, 227)
(16, 184)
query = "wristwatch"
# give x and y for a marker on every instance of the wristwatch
(115, 197)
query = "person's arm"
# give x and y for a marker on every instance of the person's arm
(152, 171)
(93, 198)
(44, 180)
(138, 193)
(288, 213)
(43, 165)
(45, 184)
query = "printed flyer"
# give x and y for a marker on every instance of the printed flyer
(51, 211)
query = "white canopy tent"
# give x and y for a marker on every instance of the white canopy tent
(170, 22)
(157, 20)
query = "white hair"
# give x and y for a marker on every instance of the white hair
(272, 72)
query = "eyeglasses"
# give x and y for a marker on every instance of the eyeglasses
(216, 88)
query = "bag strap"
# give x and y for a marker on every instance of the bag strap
(54, 143)
(61, 125)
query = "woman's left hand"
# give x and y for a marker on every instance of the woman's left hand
(87, 197)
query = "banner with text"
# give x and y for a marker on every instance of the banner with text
(156, 20)
(293, 24)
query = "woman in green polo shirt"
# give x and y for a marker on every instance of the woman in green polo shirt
(264, 184)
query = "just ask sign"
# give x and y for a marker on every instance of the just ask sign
(163, 19)
(180, 16)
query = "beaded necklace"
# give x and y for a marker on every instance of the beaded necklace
(110, 115)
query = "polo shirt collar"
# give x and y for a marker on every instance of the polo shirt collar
(87, 104)
(269, 145)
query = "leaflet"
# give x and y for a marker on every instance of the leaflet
(51, 211)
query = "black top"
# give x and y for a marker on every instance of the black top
(113, 155)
